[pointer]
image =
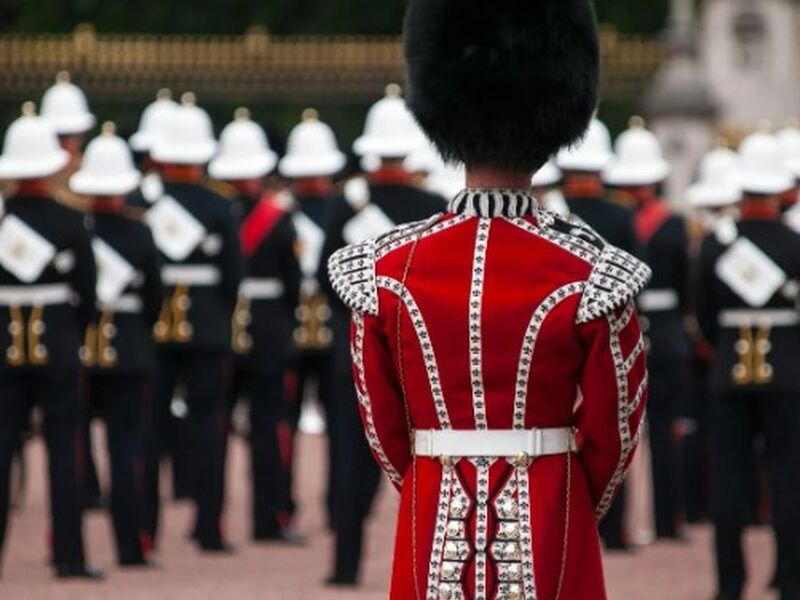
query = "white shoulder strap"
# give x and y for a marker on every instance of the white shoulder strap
(114, 273)
(750, 273)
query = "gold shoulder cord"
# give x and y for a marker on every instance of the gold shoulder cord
(407, 411)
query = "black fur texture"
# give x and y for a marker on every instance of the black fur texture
(502, 83)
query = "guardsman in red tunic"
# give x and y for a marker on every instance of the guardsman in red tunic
(498, 359)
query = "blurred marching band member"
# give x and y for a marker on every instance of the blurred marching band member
(47, 298)
(712, 201)
(312, 160)
(369, 207)
(747, 309)
(262, 322)
(118, 353)
(582, 185)
(196, 233)
(637, 171)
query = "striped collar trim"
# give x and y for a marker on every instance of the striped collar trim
(493, 202)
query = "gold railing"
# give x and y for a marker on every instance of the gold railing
(252, 67)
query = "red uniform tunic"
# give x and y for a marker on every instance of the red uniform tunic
(497, 316)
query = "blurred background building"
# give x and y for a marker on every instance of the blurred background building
(695, 68)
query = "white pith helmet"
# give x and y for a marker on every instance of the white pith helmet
(153, 121)
(717, 185)
(638, 159)
(107, 168)
(311, 150)
(547, 176)
(244, 151)
(390, 130)
(370, 163)
(591, 154)
(447, 180)
(188, 138)
(31, 149)
(65, 106)
(762, 168)
(789, 139)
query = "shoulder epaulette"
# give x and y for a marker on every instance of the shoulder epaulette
(352, 269)
(616, 278)
(352, 274)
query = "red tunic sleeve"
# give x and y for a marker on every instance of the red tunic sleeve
(380, 397)
(613, 389)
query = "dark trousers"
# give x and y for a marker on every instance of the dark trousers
(270, 449)
(59, 398)
(120, 400)
(669, 384)
(354, 477)
(204, 377)
(736, 418)
(87, 466)
(612, 527)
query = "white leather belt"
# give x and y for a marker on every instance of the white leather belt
(658, 300)
(35, 295)
(759, 318)
(193, 275)
(494, 442)
(266, 288)
(127, 303)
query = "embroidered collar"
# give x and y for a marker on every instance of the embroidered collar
(493, 202)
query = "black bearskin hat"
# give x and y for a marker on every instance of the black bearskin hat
(502, 83)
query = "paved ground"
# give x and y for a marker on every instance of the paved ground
(660, 572)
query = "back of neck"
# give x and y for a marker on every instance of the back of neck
(182, 173)
(752, 209)
(33, 188)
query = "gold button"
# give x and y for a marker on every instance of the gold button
(14, 328)
(183, 302)
(39, 352)
(185, 329)
(109, 330)
(109, 354)
(12, 353)
(38, 327)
